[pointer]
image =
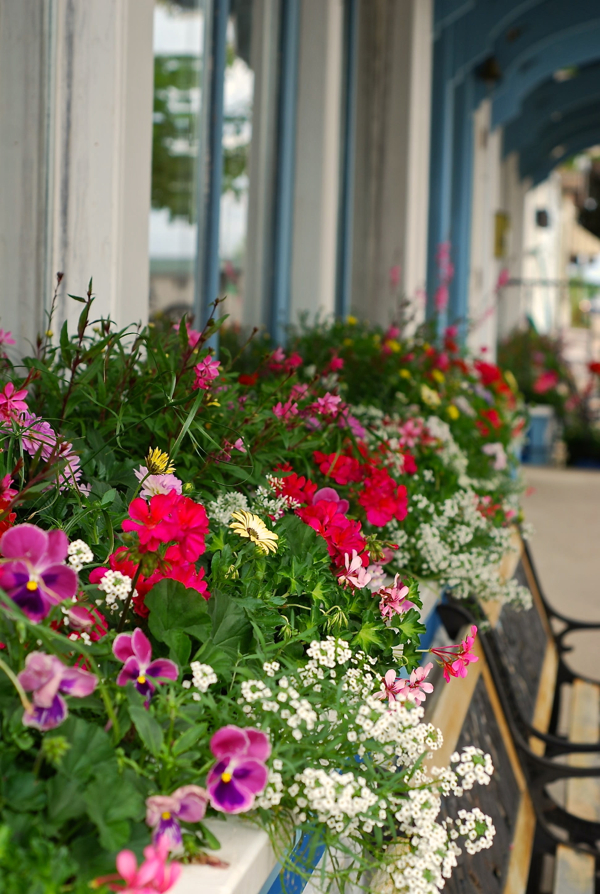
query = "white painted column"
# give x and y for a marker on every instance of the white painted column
(485, 268)
(392, 157)
(101, 148)
(511, 299)
(24, 68)
(542, 253)
(264, 59)
(317, 158)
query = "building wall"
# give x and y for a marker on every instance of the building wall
(392, 157)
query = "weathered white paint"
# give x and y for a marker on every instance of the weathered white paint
(24, 68)
(101, 150)
(541, 253)
(264, 52)
(485, 268)
(392, 156)
(513, 190)
(317, 158)
(245, 849)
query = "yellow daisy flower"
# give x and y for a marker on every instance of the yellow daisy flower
(430, 397)
(158, 462)
(246, 524)
(452, 411)
(405, 373)
(438, 375)
(352, 321)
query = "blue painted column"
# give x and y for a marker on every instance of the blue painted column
(462, 200)
(207, 288)
(279, 306)
(346, 207)
(440, 171)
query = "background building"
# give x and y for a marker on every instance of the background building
(301, 156)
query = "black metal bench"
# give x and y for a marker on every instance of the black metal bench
(525, 678)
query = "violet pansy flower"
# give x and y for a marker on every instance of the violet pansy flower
(135, 651)
(46, 677)
(164, 813)
(34, 574)
(240, 772)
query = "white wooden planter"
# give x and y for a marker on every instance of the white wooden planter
(249, 855)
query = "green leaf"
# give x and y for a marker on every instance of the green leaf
(189, 738)
(111, 801)
(180, 646)
(65, 799)
(24, 792)
(173, 607)
(411, 627)
(149, 730)
(230, 624)
(370, 634)
(90, 746)
(108, 497)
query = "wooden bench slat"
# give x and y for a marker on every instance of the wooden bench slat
(583, 795)
(574, 872)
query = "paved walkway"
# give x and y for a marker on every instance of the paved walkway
(564, 509)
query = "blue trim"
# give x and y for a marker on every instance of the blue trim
(462, 199)
(440, 170)
(557, 134)
(346, 206)
(279, 309)
(306, 855)
(208, 260)
(577, 143)
(551, 101)
(577, 48)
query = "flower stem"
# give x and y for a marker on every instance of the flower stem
(15, 681)
(129, 598)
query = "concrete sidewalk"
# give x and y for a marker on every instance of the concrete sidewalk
(564, 509)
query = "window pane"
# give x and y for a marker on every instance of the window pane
(178, 76)
(237, 136)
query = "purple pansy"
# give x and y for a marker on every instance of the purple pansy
(135, 651)
(35, 576)
(164, 813)
(46, 676)
(240, 772)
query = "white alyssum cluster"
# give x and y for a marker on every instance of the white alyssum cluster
(117, 587)
(203, 675)
(331, 699)
(336, 798)
(271, 501)
(225, 505)
(79, 554)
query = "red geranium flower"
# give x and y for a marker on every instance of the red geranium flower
(383, 499)
(343, 469)
(150, 521)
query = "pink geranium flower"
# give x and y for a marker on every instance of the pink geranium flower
(456, 659)
(328, 405)
(355, 573)
(416, 688)
(206, 371)
(6, 338)
(12, 402)
(391, 687)
(154, 876)
(285, 410)
(6, 491)
(34, 574)
(393, 600)
(546, 381)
